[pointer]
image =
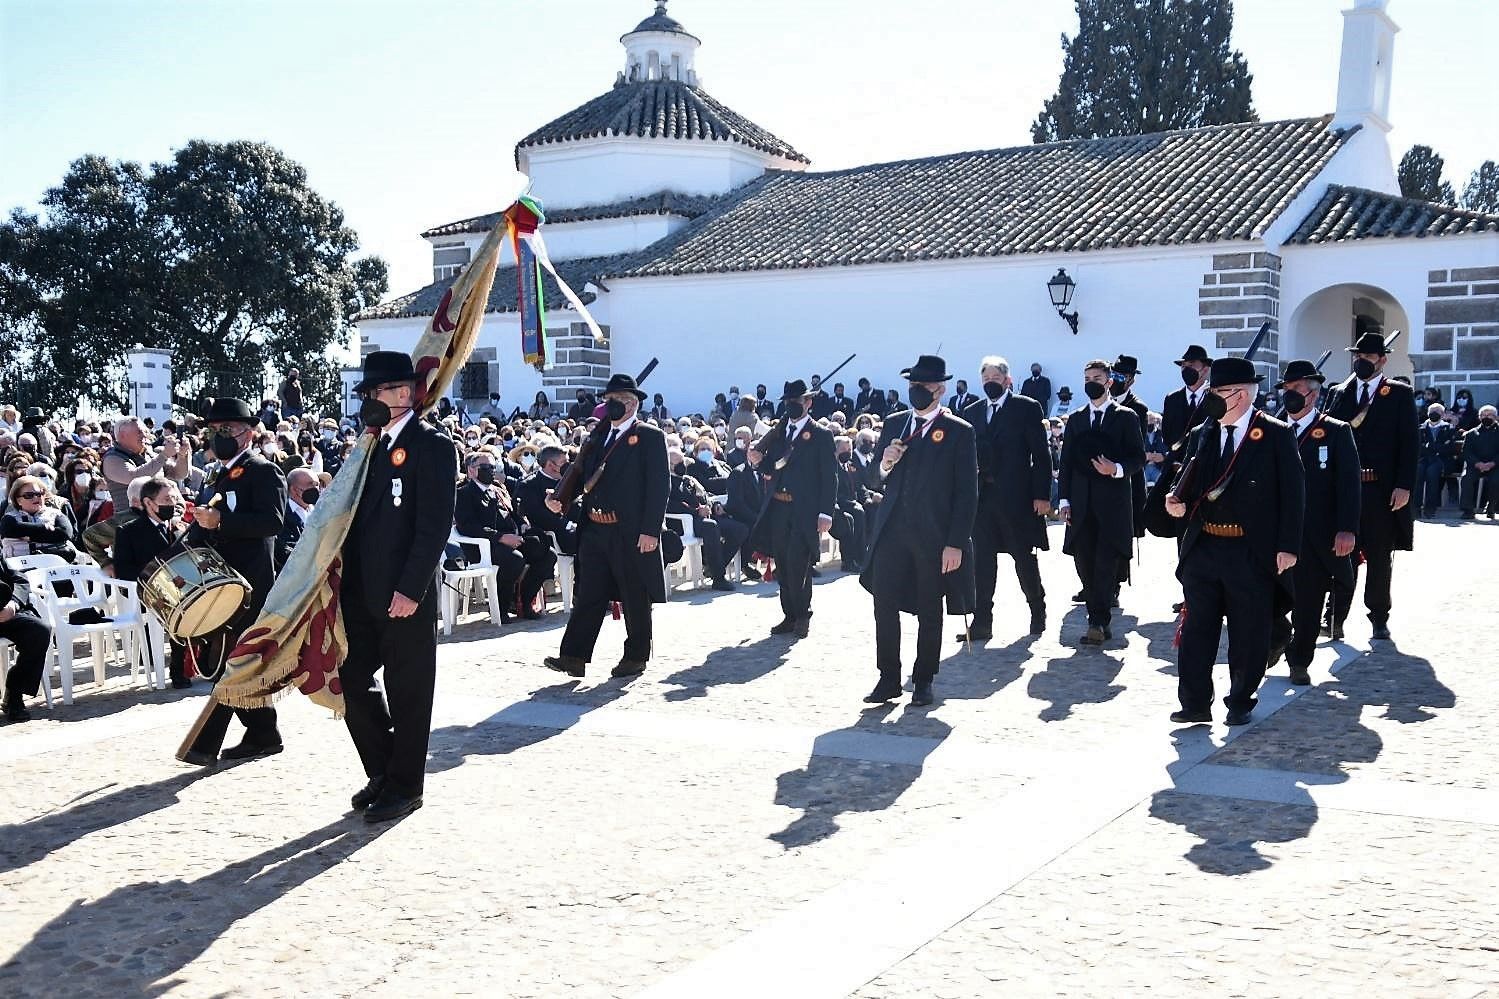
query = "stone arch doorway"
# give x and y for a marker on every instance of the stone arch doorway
(1333, 318)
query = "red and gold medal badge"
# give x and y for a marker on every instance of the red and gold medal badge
(236, 473)
(1318, 433)
(1384, 390)
(937, 436)
(1256, 434)
(806, 435)
(633, 439)
(398, 457)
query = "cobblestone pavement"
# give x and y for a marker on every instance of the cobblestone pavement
(737, 822)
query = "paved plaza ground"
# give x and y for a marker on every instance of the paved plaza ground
(736, 821)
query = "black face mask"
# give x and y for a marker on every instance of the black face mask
(919, 396)
(374, 413)
(866, 447)
(1364, 368)
(1190, 376)
(1213, 407)
(1488, 421)
(614, 410)
(759, 393)
(165, 513)
(1293, 400)
(310, 495)
(795, 409)
(1095, 390)
(993, 389)
(224, 447)
(485, 474)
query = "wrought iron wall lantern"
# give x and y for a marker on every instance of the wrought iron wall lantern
(1061, 288)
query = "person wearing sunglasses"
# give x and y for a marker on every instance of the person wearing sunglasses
(31, 524)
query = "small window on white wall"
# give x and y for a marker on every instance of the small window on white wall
(448, 260)
(652, 66)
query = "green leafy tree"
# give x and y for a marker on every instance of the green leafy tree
(1420, 176)
(224, 256)
(1141, 66)
(1481, 193)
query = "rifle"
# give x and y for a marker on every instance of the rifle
(839, 368)
(572, 485)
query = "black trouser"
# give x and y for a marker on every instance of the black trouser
(390, 732)
(746, 544)
(990, 539)
(608, 564)
(1472, 479)
(1220, 579)
(1376, 539)
(849, 527)
(794, 559)
(530, 565)
(1428, 494)
(31, 636)
(1097, 562)
(259, 723)
(1298, 620)
(722, 538)
(904, 564)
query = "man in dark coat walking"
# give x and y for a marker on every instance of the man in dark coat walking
(1014, 469)
(921, 549)
(801, 494)
(1243, 505)
(1102, 447)
(1329, 462)
(623, 509)
(389, 594)
(1380, 410)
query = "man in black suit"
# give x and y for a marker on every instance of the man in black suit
(1329, 462)
(239, 515)
(1243, 504)
(800, 498)
(1014, 471)
(842, 404)
(1038, 387)
(1179, 413)
(1102, 447)
(523, 558)
(850, 523)
(921, 550)
(1437, 449)
(532, 496)
(1122, 388)
(1379, 410)
(1481, 463)
(623, 507)
(144, 539)
(301, 493)
(31, 637)
(389, 595)
(743, 501)
(720, 538)
(821, 404)
(961, 397)
(868, 394)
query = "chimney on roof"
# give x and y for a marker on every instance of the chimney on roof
(1364, 70)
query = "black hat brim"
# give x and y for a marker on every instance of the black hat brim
(364, 385)
(916, 375)
(1317, 377)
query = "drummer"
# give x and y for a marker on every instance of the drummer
(239, 515)
(141, 540)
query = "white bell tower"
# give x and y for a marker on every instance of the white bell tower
(660, 49)
(1364, 70)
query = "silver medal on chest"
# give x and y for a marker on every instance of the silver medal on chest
(395, 492)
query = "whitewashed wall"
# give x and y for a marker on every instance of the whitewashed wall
(598, 171)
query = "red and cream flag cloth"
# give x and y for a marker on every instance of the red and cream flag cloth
(298, 641)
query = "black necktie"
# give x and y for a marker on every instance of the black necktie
(1364, 401)
(1097, 419)
(1228, 442)
(993, 410)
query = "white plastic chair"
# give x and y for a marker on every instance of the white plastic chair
(563, 579)
(460, 582)
(91, 589)
(691, 566)
(126, 609)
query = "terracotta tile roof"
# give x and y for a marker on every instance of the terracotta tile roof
(667, 109)
(504, 295)
(661, 203)
(1204, 185)
(1349, 213)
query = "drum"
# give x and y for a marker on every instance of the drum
(193, 590)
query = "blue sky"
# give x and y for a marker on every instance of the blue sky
(405, 113)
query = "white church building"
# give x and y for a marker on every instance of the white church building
(698, 237)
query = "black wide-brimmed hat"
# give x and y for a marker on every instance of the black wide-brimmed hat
(34, 414)
(1127, 365)
(1370, 343)
(1196, 352)
(1233, 371)
(623, 383)
(795, 389)
(383, 367)
(229, 410)
(928, 368)
(1297, 370)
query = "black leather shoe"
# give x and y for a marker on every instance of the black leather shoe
(1093, 636)
(977, 633)
(367, 795)
(921, 695)
(532, 614)
(802, 627)
(249, 750)
(1191, 717)
(883, 692)
(15, 709)
(628, 667)
(390, 805)
(1080, 597)
(1326, 630)
(723, 585)
(786, 627)
(751, 573)
(571, 665)
(181, 683)
(1337, 632)
(199, 758)
(1380, 633)
(1237, 718)
(1176, 608)
(1300, 677)
(1038, 622)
